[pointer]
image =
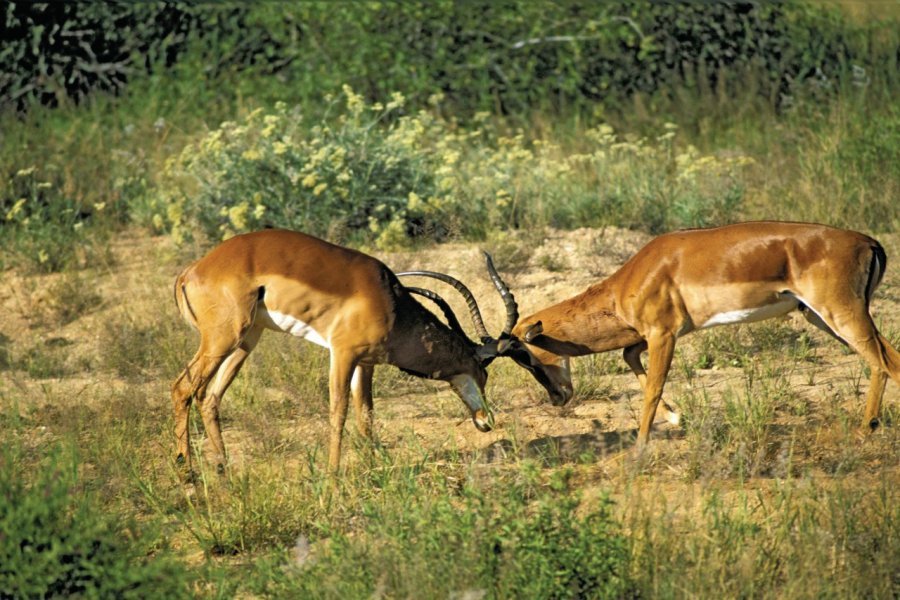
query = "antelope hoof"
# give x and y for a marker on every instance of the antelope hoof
(184, 471)
(220, 469)
(873, 424)
(484, 421)
(562, 396)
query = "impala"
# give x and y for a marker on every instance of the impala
(339, 298)
(689, 280)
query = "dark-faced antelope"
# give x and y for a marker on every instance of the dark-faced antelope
(689, 280)
(339, 298)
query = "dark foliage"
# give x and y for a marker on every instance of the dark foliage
(505, 57)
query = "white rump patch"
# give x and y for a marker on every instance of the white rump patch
(294, 326)
(673, 417)
(751, 315)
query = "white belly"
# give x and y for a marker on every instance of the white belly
(751, 315)
(289, 324)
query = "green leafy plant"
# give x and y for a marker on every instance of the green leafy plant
(54, 542)
(56, 51)
(43, 229)
(364, 175)
(347, 175)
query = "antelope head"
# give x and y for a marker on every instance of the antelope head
(551, 371)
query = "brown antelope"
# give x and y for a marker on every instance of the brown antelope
(339, 298)
(694, 279)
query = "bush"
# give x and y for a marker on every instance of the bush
(365, 175)
(553, 553)
(69, 49)
(643, 183)
(54, 542)
(343, 175)
(42, 229)
(517, 57)
(510, 58)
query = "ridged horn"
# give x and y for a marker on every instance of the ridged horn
(466, 294)
(452, 321)
(512, 309)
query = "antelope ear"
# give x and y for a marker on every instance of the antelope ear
(508, 345)
(534, 330)
(520, 355)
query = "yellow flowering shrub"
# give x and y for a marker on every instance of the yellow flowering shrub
(42, 229)
(373, 173)
(354, 172)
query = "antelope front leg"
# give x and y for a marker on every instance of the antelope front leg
(361, 387)
(342, 366)
(632, 356)
(661, 348)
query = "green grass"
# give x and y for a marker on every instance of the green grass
(55, 543)
(803, 538)
(401, 522)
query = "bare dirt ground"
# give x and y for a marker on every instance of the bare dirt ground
(594, 429)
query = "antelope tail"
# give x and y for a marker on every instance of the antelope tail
(181, 300)
(890, 358)
(876, 270)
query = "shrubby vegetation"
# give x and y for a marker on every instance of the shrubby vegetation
(500, 120)
(418, 175)
(421, 537)
(512, 58)
(54, 542)
(45, 230)
(349, 173)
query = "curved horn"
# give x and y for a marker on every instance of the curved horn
(462, 289)
(512, 309)
(452, 321)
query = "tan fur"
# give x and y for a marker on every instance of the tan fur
(350, 300)
(680, 281)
